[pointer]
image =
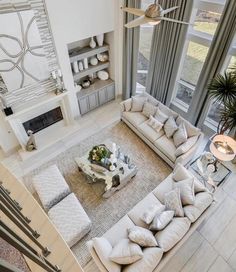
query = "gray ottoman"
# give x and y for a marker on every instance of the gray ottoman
(50, 186)
(70, 219)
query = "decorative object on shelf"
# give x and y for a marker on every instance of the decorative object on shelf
(93, 61)
(103, 75)
(223, 147)
(75, 67)
(58, 78)
(85, 61)
(100, 39)
(153, 15)
(86, 83)
(92, 43)
(31, 144)
(78, 87)
(91, 78)
(103, 57)
(3, 105)
(81, 66)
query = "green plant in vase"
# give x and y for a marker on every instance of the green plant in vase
(99, 153)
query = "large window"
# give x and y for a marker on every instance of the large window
(145, 41)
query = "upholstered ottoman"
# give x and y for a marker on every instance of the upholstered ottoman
(50, 186)
(70, 219)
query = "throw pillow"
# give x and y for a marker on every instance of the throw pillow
(167, 111)
(142, 237)
(151, 258)
(137, 103)
(173, 202)
(199, 187)
(155, 124)
(180, 136)
(149, 109)
(181, 173)
(185, 147)
(127, 104)
(191, 130)
(161, 220)
(150, 213)
(187, 193)
(170, 127)
(103, 249)
(126, 252)
(160, 116)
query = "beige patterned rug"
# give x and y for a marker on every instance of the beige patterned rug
(104, 213)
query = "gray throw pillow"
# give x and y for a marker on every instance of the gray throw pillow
(142, 237)
(161, 220)
(138, 103)
(160, 116)
(187, 193)
(173, 202)
(180, 136)
(170, 127)
(149, 109)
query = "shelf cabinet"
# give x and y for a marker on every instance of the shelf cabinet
(96, 96)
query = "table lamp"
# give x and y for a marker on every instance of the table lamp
(223, 147)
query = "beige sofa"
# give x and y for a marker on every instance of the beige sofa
(158, 141)
(169, 239)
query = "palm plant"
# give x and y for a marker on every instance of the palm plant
(228, 117)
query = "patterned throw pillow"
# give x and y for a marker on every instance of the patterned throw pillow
(187, 193)
(160, 116)
(155, 124)
(180, 136)
(142, 237)
(170, 127)
(161, 220)
(150, 213)
(138, 103)
(173, 202)
(149, 109)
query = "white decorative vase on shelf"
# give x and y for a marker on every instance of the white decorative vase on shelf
(85, 63)
(75, 67)
(92, 43)
(100, 39)
(81, 66)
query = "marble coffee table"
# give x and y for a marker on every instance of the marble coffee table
(113, 180)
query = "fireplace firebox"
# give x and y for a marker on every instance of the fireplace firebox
(44, 120)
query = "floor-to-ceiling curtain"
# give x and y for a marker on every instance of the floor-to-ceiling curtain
(214, 61)
(130, 52)
(167, 45)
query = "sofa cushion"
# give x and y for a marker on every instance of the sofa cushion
(149, 109)
(170, 127)
(138, 210)
(164, 187)
(103, 249)
(167, 111)
(161, 220)
(202, 202)
(138, 103)
(119, 230)
(167, 147)
(185, 147)
(142, 237)
(126, 252)
(151, 134)
(151, 212)
(70, 219)
(150, 260)
(186, 188)
(172, 233)
(135, 118)
(173, 202)
(180, 136)
(191, 130)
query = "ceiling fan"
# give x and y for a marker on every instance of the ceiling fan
(153, 15)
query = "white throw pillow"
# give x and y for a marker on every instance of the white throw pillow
(137, 103)
(142, 236)
(173, 202)
(103, 249)
(149, 109)
(127, 104)
(155, 124)
(150, 213)
(187, 193)
(191, 130)
(160, 116)
(161, 220)
(180, 136)
(185, 147)
(181, 173)
(126, 252)
(170, 127)
(167, 111)
(150, 260)
(199, 187)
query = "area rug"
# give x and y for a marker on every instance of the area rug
(104, 213)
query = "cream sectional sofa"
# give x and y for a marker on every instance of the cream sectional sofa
(158, 141)
(169, 239)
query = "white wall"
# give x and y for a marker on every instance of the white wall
(76, 20)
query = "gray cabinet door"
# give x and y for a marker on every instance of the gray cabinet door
(83, 104)
(102, 95)
(111, 92)
(93, 101)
